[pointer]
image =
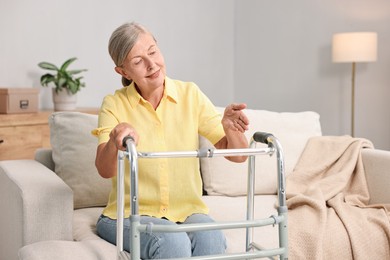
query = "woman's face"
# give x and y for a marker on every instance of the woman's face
(144, 64)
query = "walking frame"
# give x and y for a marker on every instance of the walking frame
(253, 250)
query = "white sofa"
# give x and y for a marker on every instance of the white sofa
(50, 205)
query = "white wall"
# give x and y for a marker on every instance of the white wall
(273, 55)
(196, 40)
(283, 62)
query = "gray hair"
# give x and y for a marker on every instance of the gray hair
(122, 40)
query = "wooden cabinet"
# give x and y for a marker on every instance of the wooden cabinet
(22, 134)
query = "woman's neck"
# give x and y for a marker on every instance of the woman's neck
(153, 97)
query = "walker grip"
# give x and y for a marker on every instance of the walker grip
(125, 139)
(261, 137)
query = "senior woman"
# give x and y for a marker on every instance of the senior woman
(161, 114)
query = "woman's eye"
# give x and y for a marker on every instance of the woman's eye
(153, 51)
(137, 61)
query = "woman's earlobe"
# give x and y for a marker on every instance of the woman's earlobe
(119, 70)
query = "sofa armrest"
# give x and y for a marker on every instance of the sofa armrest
(377, 167)
(36, 205)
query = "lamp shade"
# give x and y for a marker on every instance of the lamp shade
(354, 47)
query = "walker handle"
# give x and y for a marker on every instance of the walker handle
(125, 139)
(262, 137)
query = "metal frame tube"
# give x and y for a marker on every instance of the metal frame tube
(206, 153)
(283, 232)
(237, 256)
(282, 208)
(133, 165)
(250, 196)
(134, 217)
(120, 205)
(135, 237)
(210, 226)
(281, 173)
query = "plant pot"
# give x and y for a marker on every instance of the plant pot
(64, 100)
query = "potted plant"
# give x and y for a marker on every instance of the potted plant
(66, 84)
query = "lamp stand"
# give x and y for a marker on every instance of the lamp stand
(353, 101)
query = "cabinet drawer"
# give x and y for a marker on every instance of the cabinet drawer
(21, 142)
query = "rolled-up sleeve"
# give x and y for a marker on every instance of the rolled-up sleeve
(106, 120)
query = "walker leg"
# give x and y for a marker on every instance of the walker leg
(283, 232)
(250, 200)
(135, 249)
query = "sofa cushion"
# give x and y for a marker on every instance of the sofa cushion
(222, 177)
(74, 151)
(84, 223)
(66, 250)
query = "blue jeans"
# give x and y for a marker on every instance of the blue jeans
(155, 245)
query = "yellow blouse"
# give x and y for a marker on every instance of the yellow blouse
(168, 187)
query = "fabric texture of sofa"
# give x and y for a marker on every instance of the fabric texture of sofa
(51, 204)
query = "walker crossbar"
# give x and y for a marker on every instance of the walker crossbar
(206, 153)
(252, 249)
(237, 256)
(210, 226)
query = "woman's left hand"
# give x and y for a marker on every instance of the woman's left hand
(234, 118)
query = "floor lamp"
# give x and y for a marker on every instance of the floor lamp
(354, 47)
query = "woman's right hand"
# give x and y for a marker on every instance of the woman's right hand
(119, 132)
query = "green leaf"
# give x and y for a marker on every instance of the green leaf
(46, 79)
(47, 66)
(73, 87)
(62, 82)
(67, 63)
(72, 72)
(63, 74)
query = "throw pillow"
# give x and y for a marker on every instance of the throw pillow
(74, 151)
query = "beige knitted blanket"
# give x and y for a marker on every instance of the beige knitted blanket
(327, 197)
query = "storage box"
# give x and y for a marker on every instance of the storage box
(18, 100)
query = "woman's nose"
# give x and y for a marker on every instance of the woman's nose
(150, 64)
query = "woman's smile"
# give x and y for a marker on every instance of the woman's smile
(154, 75)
